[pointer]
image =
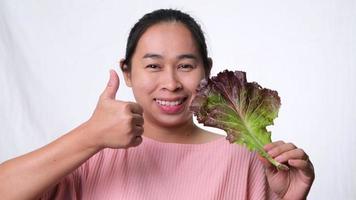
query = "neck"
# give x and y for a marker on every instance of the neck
(184, 133)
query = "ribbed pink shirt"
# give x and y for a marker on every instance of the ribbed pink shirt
(169, 171)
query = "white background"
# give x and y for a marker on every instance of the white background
(55, 57)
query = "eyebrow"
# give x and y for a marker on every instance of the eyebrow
(152, 55)
(188, 56)
(179, 57)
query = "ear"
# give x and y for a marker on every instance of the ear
(127, 73)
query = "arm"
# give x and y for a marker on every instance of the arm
(27, 176)
(114, 124)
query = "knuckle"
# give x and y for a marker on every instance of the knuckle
(126, 106)
(291, 145)
(279, 148)
(139, 121)
(300, 151)
(279, 142)
(139, 130)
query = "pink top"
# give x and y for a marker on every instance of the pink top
(157, 170)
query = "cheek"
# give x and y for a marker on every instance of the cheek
(141, 86)
(192, 82)
(191, 86)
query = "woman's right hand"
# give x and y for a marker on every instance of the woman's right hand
(115, 123)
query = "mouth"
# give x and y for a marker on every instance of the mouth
(172, 102)
(171, 105)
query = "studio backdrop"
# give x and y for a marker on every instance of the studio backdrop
(55, 58)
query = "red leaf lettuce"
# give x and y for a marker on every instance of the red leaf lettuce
(243, 109)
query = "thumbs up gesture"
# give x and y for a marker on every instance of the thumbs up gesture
(115, 123)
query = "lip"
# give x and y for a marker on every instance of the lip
(171, 98)
(172, 109)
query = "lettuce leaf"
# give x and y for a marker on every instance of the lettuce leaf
(243, 109)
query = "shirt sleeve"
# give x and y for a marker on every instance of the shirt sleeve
(70, 187)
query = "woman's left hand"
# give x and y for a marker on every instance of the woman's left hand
(294, 183)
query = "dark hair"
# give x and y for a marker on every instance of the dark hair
(166, 15)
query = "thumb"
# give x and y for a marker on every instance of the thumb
(264, 161)
(112, 86)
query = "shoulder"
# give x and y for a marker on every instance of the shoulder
(238, 150)
(235, 153)
(208, 136)
(205, 136)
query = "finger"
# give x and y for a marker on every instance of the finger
(304, 165)
(136, 108)
(137, 119)
(270, 146)
(264, 161)
(292, 154)
(136, 141)
(278, 150)
(138, 131)
(112, 86)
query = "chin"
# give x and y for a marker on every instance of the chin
(173, 121)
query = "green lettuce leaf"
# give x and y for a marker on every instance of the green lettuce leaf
(243, 109)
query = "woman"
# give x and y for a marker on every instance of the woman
(152, 149)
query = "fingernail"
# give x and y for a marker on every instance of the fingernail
(279, 159)
(270, 152)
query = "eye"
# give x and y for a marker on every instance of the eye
(153, 67)
(186, 67)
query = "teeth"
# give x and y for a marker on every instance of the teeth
(169, 103)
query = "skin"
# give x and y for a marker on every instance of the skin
(120, 125)
(294, 183)
(167, 65)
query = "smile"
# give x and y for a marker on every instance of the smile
(171, 106)
(170, 103)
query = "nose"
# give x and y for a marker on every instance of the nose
(171, 81)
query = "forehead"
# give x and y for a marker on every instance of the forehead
(167, 39)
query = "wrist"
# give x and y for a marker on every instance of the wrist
(86, 137)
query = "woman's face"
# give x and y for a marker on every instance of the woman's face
(166, 69)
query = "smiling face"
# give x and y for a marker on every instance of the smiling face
(166, 69)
